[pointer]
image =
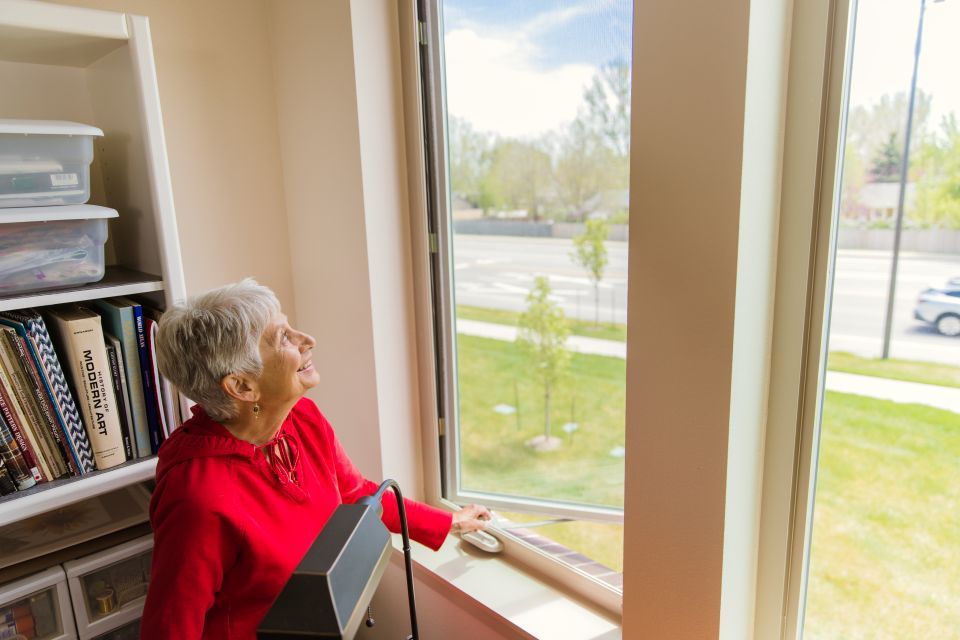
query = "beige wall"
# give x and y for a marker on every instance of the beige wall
(220, 119)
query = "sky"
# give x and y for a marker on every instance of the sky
(520, 67)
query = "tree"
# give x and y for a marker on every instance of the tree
(469, 162)
(606, 117)
(886, 163)
(543, 332)
(869, 127)
(520, 176)
(590, 252)
(584, 168)
(938, 190)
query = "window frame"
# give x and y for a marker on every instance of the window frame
(444, 306)
(418, 64)
(822, 40)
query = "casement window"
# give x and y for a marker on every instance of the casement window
(527, 109)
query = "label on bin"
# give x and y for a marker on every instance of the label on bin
(64, 179)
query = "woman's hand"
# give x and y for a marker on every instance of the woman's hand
(472, 517)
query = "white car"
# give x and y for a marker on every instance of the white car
(941, 308)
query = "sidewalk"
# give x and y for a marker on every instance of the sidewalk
(947, 398)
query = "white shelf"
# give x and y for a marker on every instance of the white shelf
(117, 281)
(59, 493)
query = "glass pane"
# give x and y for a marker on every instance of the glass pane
(116, 586)
(885, 543)
(36, 616)
(538, 108)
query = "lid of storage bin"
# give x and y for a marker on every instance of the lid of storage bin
(48, 127)
(52, 214)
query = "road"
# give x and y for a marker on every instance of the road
(498, 271)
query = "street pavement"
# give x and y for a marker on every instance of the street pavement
(497, 272)
(947, 398)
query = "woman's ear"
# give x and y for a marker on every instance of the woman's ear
(240, 387)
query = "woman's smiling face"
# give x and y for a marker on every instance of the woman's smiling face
(288, 369)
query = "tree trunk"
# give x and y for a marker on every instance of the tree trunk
(546, 414)
(596, 303)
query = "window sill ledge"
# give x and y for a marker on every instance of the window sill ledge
(523, 603)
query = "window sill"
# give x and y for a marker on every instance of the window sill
(525, 604)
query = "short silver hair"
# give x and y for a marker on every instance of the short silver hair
(213, 335)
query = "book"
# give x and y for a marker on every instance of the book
(26, 415)
(37, 404)
(146, 375)
(11, 421)
(7, 485)
(57, 388)
(169, 395)
(116, 376)
(39, 400)
(118, 319)
(77, 454)
(81, 343)
(17, 466)
(162, 388)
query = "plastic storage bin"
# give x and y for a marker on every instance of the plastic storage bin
(108, 589)
(45, 162)
(52, 247)
(37, 607)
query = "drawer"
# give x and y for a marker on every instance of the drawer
(108, 589)
(129, 631)
(37, 607)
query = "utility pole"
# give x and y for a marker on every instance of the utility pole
(904, 167)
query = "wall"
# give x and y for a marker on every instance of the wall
(220, 120)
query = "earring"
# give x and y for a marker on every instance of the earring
(256, 411)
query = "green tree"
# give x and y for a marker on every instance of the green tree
(607, 102)
(887, 161)
(520, 176)
(869, 128)
(938, 189)
(470, 152)
(542, 335)
(590, 252)
(584, 168)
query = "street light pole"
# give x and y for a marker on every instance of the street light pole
(904, 166)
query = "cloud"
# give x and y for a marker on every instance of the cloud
(502, 84)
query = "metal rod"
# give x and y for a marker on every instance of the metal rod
(904, 166)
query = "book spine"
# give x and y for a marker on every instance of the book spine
(82, 339)
(7, 485)
(46, 409)
(146, 372)
(23, 388)
(21, 420)
(14, 458)
(121, 405)
(26, 450)
(59, 390)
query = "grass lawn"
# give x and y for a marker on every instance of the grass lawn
(886, 542)
(944, 375)
(603, 330)
(886, 535)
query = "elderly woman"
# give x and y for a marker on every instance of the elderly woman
(246, 484)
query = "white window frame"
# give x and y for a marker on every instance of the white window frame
(819, 70)
(442, 251)
(423, 170)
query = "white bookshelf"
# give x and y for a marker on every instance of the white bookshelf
(97, 68)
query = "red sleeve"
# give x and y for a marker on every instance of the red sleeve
(428, 525)
(193, 546)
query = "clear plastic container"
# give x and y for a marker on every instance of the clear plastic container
(108, 589)
(45, 162)
(37, 608)
(52, 247)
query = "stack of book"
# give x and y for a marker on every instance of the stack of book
(79, 390)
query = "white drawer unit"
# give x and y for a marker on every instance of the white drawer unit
(130, 631)
(37, 607)
(108, 589)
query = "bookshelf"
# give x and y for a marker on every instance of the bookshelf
(96, 67)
